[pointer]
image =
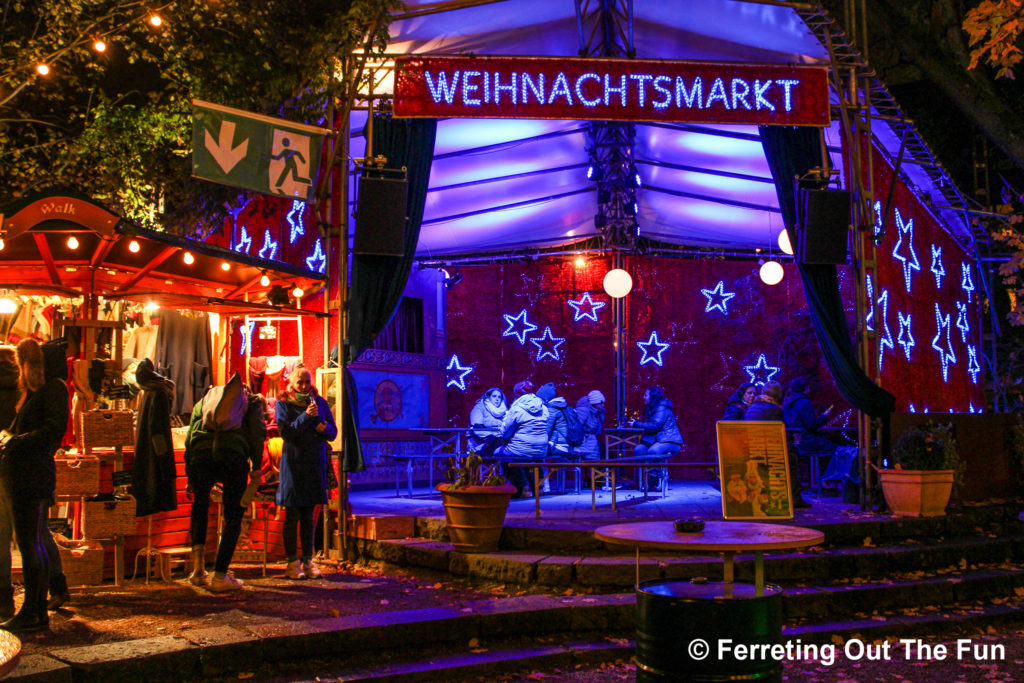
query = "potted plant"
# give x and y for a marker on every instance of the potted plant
(475, 508)
(926, 469)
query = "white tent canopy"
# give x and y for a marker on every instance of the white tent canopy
(502, 185)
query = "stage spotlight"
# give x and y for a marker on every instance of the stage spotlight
(455, 279)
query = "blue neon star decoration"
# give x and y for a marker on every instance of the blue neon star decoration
(760, 372)
(973, 368)
(717, 298)
(965, 280)
(518, 326)
(244, 241)
(295, 220)
(652, 350)
(541, 342)
(904, 250)
(585, 307)
(937, 268)
(269, 247)
(457, 373)
(946, 355)
(962, 323)
(317, 260)
(885, 338)
(246, 337)
(869, 319)
(878, 220)
(904, 337)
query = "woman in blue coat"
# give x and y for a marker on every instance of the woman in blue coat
(307, 426)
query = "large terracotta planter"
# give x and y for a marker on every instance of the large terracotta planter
(917, 493)
(475, 515)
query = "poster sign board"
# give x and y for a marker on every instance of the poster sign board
(754, 470)
(443, 86)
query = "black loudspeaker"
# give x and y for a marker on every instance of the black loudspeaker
(380, 217)
(825, 226)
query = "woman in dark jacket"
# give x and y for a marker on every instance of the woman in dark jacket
(738, 402)
(661, 433)
(29, 476)
(307, 427)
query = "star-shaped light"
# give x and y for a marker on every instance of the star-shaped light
(965, 280)
(585, 307)
(904, 249)
(717, 298)
(869, 319)
(518, 326)
(904, 338)
(937, 268)
(946, 355)
(885, 338)
(295, 220)
(269, 247)
(246, 336)
(760, 372)
(544, 349)
(317, 260)
(973, 368)
(962, 323)
(652, 350)
(244, 241)
(457, 373)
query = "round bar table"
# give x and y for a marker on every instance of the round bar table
(727, 538)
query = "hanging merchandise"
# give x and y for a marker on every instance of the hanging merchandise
(153, 474)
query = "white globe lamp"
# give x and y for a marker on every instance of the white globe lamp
(617, 283)
(784, 244)
(771, 272)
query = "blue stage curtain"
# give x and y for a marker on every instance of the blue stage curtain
(378, 281)
(792, 152)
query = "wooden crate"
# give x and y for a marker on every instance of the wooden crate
(386, 526)
(78, 476)
(83, 566)
(106, 519)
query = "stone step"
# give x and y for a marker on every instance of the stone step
(998, 517)
(607, 572)
(490, 658)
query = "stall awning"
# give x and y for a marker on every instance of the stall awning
(61, 242)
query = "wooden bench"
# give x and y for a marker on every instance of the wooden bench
(599, 470)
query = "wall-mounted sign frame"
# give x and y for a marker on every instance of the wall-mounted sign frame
(442, 86)
(754, 470)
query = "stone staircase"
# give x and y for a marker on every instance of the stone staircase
(876, 577)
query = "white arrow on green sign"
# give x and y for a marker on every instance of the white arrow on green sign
(256, 152)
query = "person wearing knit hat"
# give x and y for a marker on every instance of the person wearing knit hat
(547, 392)
(521, 388)
(590, 409)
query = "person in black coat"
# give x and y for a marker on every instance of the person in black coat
(768, 408)
(739, 400)
(153, 474)
(9, 396)
(29, 475)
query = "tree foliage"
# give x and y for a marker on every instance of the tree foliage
(993, 29)
(117, 123)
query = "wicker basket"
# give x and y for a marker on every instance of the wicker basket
(107, 428)
(83, 566)
(106, 519)
(78, 476)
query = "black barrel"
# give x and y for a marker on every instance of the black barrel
(672, 614)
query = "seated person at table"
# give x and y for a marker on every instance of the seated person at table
(525, 431)
(485, 419)
(768, 408)
(738, 402)
(558, 444)
(590, 409)
(661, 437)
(798, 413)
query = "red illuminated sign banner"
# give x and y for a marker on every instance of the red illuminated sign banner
(611, 90)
